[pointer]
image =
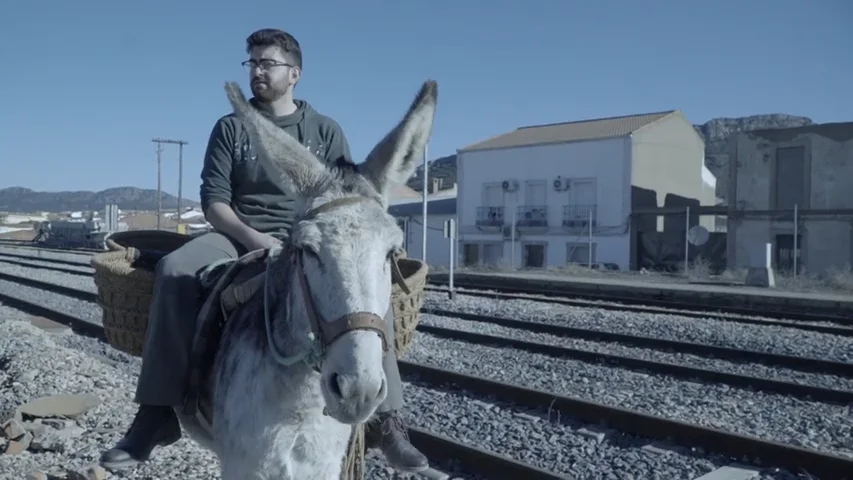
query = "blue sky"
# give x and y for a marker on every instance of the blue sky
(87, 84)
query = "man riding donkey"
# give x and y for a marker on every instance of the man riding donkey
(249, 210)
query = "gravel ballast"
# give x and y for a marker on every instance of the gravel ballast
(766, 416)
(764, 338)
(789, 420)
(78, 365)
(36, 364)
(611, 348)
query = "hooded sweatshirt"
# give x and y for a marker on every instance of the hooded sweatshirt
(235, 173)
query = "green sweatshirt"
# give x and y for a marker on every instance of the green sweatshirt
(234, 173)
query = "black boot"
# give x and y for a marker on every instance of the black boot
(153, 426)
(388, 433)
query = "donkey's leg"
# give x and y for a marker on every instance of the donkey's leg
(388, 431)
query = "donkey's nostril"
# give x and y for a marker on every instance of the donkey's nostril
(335, 386)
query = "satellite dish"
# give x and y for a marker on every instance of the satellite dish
(697, 235)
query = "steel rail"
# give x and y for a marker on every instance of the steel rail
(769, 453)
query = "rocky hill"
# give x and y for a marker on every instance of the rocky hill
(20, 199)
(715, 132)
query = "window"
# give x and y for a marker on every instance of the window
(493, 253)
(482, 253)
(790, 175)
(534, 255)
(536, 193)
(785, 252)
(470, 254)
(404, 226)
(580, 253)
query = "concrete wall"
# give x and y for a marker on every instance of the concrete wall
(755, 183)
(438, 247)
(603, 161)
(668, 157)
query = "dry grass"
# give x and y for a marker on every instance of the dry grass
(836, 280)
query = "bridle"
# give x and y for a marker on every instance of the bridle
(323, 332)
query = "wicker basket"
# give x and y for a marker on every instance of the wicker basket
(407, 307)
(124, 277)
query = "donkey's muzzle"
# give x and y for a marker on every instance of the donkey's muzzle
(330, 331)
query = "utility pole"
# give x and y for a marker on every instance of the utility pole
(180, 144)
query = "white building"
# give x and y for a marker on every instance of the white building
(407, 206)
(569, 188)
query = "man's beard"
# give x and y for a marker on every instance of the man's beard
(269, 93)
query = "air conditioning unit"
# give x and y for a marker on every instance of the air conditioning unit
(510, 185)
(561, 184)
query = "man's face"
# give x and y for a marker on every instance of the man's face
(270, 74)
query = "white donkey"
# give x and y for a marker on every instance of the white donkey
(300, 360)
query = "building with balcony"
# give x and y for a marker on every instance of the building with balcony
(772, 173)
(547, 195)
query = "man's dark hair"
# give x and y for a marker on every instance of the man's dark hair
(267, 37)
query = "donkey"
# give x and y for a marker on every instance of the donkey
(299, 362)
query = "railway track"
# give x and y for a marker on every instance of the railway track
(26, 245)
(617, 302)
(776, 386)
(820, 324)
(726, 443)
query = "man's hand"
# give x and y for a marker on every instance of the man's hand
(256, 240)
(223, 219)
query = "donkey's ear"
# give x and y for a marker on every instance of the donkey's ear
(300, 170)
(394, 159)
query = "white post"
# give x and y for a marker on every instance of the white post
(686, 242)
(512, 241)
(589, 263)
(796, 243)
(425, 188)
(768, 256)
(450, 234)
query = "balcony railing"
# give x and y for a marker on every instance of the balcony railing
(578, 216)
(490, 216)
(532, 216)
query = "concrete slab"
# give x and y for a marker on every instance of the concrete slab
(730, 472)
(50, 326)
(760, 277)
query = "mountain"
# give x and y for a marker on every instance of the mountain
(715, 132)
(20, 199)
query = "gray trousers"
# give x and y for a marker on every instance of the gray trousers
(175, 303)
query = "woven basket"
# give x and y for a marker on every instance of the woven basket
(124, 277)
(407, 307)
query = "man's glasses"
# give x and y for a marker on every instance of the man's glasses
(264, 64)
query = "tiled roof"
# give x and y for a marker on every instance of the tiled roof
(569, 131)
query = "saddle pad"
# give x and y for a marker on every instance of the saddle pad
(210, 320)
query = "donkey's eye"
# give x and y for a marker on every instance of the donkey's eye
(310, 251)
